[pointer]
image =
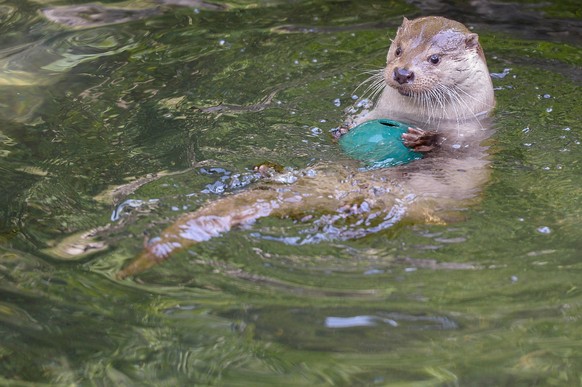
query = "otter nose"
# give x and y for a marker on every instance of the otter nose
(403, 75)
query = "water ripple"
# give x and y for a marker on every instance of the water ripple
(83, 46)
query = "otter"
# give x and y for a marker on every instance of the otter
(436, 79)
(437, 73)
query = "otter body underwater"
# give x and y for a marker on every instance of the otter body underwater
(437, 80)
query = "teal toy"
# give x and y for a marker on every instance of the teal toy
(378, 143)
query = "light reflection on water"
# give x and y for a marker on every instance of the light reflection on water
(109, 113)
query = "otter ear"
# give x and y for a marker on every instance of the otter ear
(405, 21)
(471, 40)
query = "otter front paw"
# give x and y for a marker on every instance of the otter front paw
(420, 140)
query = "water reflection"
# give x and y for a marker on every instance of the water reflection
(79, 47)
(96, 15)
(312, 328)
(26, 70)
(392, 319)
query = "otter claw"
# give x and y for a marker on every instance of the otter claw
(340, 131)
(419, 140)
(268, 169)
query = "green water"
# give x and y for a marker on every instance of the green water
(198, 94)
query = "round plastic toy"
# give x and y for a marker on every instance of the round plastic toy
(378, 143)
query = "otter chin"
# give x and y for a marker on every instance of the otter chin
(404, 92)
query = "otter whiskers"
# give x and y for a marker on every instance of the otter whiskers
(376, 84)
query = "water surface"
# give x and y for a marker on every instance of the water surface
(117, 118)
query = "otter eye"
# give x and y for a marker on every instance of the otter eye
(398, 51)
(434, 59)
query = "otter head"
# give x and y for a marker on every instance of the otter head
(433, 58)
